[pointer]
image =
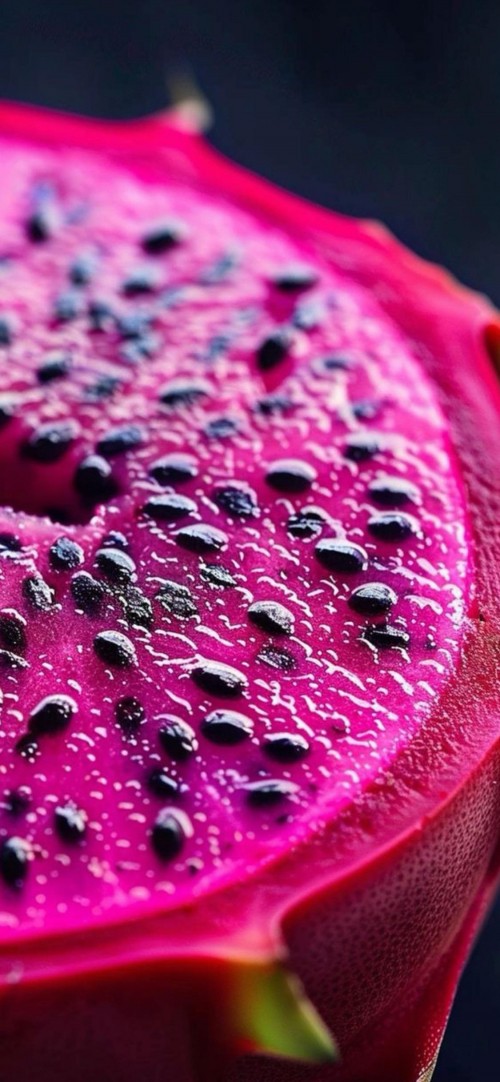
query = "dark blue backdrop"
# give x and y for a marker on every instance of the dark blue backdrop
(386, 109)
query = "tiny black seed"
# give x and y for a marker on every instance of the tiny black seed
(65, 554)
(366, 409)
(177, 599)
(119, 440)
(221, 428)
(201, 538)
(392, 491)
(306, 523)
(14, 858)
(277, 658)
(140, 280)
(218, 679)
(70, 822)
(272, 404)
(87, 592)
(217, 575)
(226, 727)
(12, 630)
(162, 237)
(101, 315)
(361, 446)
(290, 475)
(295, 277)
(167, 835)
(116, 565)
(268, 793)
(18, 800)
(272, 617)
(179, 393)
(37, 592)
(134, 325)
(385, 636)
(285, 747)
(49, 442)
(336, 362)
(273, 350)
(129, 714)
(238, 502)
(7, 330)
(115, 540)
(169, 507)
(52, 715)
(55, 366)
(162, 784)
(343, 556)
(114, 648)
(372, 598)
(94, 480)
(68, 306)
(82, 269)
(41, 224)
(392, 526)
(137, 608)
(104, 387)
(177, 738)
(173, 469)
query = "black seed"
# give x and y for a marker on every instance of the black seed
(176, 599)
(273, 403)
(372, 598)
(265, 794)
(27, 748)
(285, 747)
(70, 822)
(18, 800)
(220, 680)
(277, 658)
(68, 306)
(115, 649)
(82, 269)
(145, 345)
(338, 555)
(177, 738)
(14, 857)
(162, 237)
(238, 502)
(94, 481)
(7, 330)
(9, 543)
(392, 491)
(273, 349)
(384, 636)
(272, 617)
(180, 393)
(55, 366)
(119, 440)
(167, 835)
(162, 784)
(169, 507)
(306, 523)
(42, 223)
(87, 592)
(134, 325)
(290, 475)
(140, 280)
(226, 727)
(101, 315)
(130, 714)
(295, 277)
(65, 554)
(173, 469)
(137, 608)
(116, 565)
(37, 592)
(361, 446)
(366, 409)
(49, 442)
(8, 409)
(221, 428)
(217, 575)
(52, 715)
(104, 387)
(336, 362)
(115, 540)
(201, 538)
(392, 526)
(9, 660)
(12, 630)
(220, 270)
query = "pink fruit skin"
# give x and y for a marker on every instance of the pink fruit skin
(380, 941)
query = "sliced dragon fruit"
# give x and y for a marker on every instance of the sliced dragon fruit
(249, 562)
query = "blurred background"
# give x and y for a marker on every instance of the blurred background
(386, 108)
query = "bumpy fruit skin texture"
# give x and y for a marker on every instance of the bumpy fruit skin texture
(376, 911)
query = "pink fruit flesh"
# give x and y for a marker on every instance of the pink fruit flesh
(263, 606)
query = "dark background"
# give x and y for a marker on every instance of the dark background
(386, 109)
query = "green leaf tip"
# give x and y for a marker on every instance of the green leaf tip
(275, 1017)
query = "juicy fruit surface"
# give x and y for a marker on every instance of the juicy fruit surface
(233, 550)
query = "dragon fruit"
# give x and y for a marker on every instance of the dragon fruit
(249, 627)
